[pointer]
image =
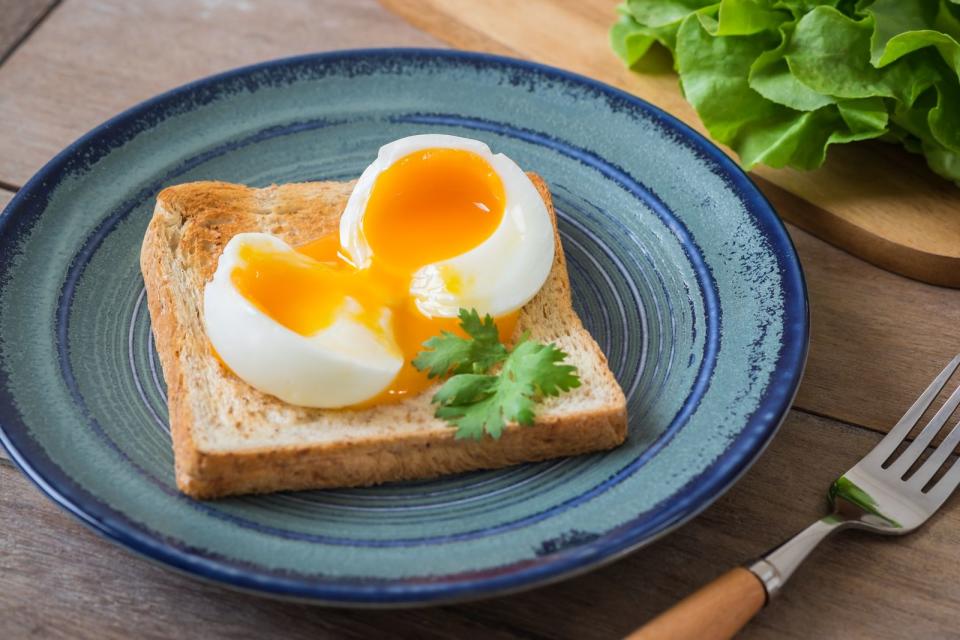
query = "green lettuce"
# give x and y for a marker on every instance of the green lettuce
(779, 81)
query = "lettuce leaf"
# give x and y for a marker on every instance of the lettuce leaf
(779, 81)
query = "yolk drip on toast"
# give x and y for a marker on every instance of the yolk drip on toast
(429, 206)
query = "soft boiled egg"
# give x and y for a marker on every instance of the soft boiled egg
(436, 223)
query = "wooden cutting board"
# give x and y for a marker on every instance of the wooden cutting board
(872, 199)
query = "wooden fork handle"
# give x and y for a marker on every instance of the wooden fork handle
(716, 612)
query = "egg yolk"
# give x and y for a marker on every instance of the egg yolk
(428, 206)
(432, 205)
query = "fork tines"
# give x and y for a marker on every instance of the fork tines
(900, 465)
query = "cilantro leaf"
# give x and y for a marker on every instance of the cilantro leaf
(449, 352)
(466, 388)
(484, 331)
(540, 364)
(472, 420)
(507, 400)
(478, 404)
(444, 353)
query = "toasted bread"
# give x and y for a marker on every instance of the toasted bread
(229, 438)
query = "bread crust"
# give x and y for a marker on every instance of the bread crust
(191, 224)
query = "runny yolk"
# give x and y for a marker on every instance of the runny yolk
(428, 206)
(432, 205)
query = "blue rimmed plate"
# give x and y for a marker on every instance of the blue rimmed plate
(680, 270)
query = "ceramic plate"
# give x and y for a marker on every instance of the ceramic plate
(680, 270)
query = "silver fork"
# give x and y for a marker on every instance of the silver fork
(879, 494)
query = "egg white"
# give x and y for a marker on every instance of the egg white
(340, 365)
(347, 363)
(499, 275)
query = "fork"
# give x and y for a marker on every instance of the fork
(884, 493)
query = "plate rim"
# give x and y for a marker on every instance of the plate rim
(699, 493)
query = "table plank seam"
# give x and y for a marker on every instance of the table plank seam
(846, 423)
(5, 55)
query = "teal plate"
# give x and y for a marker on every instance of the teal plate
(680, 270)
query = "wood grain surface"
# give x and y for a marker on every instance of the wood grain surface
(877, 339)
(17, 17)
(873, 199)
(59, 580)
(93, 58)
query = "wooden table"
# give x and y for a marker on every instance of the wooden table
(877, 340)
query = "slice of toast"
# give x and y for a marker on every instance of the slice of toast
(229, 438)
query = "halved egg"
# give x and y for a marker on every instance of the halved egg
(436, 223)
(469, 224)
(270, 320)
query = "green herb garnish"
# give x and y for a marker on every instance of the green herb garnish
(474, 399)
(449, 353)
